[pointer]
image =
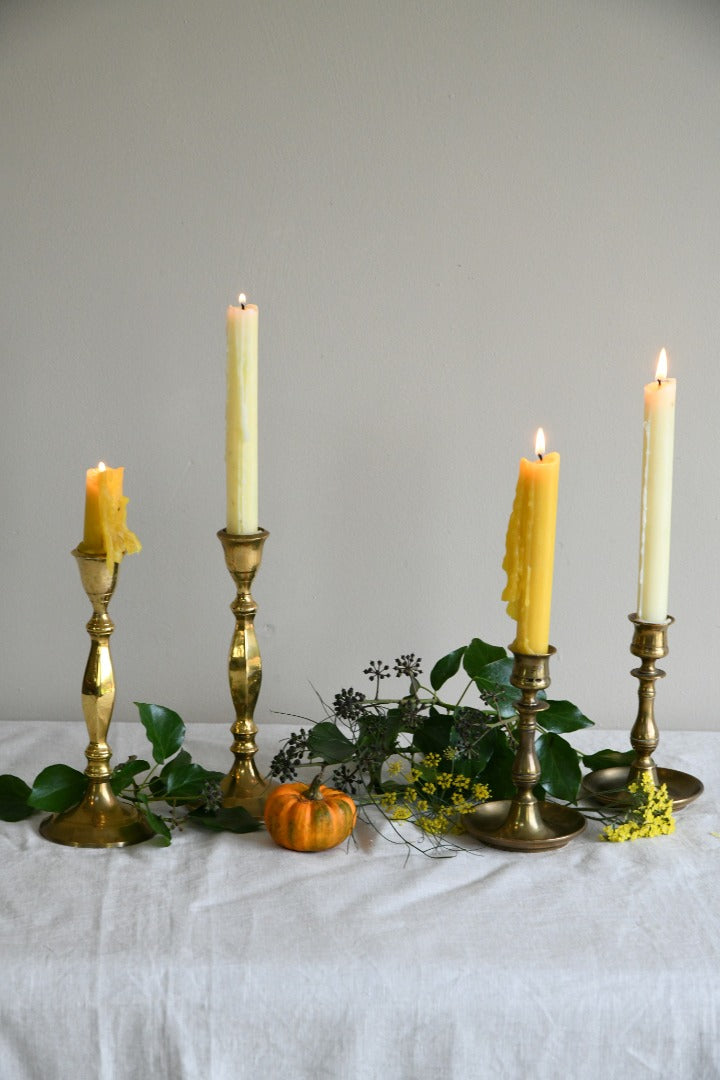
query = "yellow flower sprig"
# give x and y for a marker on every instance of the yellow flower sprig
(435, 798)
(650, 816)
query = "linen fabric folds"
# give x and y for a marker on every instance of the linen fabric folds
(224, 957)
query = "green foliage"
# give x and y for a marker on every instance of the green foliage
(422, 757)
(158, 825)
(327, 742)
(164, 728)
(57, 788)
(169, 793)
(479, 655)
(562, 717)
(608, 759)
(14, 794)
(122, 775)
(446, 668)
(235, 819)
(560, 766)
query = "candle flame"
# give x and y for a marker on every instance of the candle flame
(242, 299)
(661, 370)
(101, 466)
(540, 442)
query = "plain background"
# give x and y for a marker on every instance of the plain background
(460, 220)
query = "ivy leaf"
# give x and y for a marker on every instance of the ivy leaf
(164, 728)
(158, 826)
(446, 668)
(124, 773)
(14, 794)
(495, 687)
(157, 788)
(562, 717)
(479, 654)
(184, 758)
(186, 780)
(479, 756)
(608, 759)
(235, 819)
(498, 772)
(560, 766)
(57, 788)
(433, 734)
(394, 722)
(328, 743)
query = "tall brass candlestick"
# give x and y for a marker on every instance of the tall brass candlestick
(100, 820)
(243, 785)
(526, 823)
(649, 644)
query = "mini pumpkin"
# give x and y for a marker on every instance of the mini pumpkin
(309, 817)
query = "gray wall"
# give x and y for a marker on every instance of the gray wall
(460, 220)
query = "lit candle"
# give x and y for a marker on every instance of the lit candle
(530, 550)
(93, 541)
(656, 496)
(106, 532)
(241, 445)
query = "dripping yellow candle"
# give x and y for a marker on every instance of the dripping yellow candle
(530, 550)
(106, 532)
(656, 495)
(241, 437)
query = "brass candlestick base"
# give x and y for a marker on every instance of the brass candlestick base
(100, 820)
(609, 786)
(526, 823)
(243, 785)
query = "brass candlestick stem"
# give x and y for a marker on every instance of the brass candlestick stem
(649, 644)
(526, 823)
(100, 820)
(243, 785)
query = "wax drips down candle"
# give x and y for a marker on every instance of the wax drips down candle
(106, 532)
(241, 440)
(656, 496)
(530, 550)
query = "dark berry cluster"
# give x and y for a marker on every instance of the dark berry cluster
(211, 797)
(348, 704)
(284, 765)
(409, 709)
(408, 664)
(376, 669)
(346, 779)
(470, 726)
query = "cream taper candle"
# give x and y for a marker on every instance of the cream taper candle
(656, 496)
(241, 445)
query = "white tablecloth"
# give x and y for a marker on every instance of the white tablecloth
(227, 957)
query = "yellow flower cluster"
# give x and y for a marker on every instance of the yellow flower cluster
(434, 802)
(652, 816)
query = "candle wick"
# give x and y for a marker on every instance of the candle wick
(242, 305)
(659, 382)
(540, 457)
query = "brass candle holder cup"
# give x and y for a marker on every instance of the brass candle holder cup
(100, 820)
(243, 785)
(649, 643)
(526, 823)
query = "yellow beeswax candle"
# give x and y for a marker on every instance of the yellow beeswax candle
(106, 532)
(530, 550)
(656, 496)
(241, 437)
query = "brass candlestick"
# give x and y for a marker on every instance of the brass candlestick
(243, 785)
(526, 823)
(100, 820)
(649, 643)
